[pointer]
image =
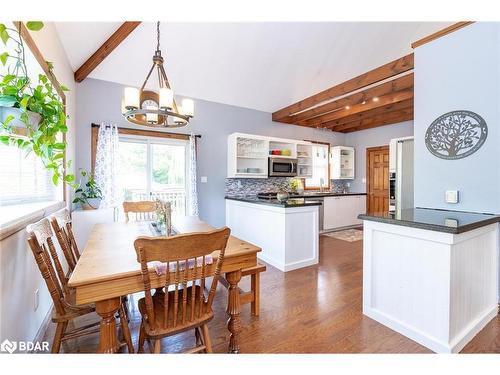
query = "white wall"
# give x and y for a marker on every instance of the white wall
(459, 71)
(19, 275)
(372, 138)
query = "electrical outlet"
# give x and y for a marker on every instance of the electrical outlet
(36, 299)
(451, 196)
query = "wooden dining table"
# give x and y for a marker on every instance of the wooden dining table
(108, 270)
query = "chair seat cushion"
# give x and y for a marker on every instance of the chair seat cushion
(164, 327)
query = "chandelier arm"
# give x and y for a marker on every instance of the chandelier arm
(167, 84)
(147, 77)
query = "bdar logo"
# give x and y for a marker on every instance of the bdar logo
(8, 346)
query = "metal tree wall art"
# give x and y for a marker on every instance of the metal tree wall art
(456, 135)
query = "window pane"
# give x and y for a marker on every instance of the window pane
(24, 178)
(132, 167)
(320, 167)
(168, 174)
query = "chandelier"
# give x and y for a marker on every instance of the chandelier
(149, 108)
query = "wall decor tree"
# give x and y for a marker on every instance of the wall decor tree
(456, 134)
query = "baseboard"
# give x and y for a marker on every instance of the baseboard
(473, 329)
(287, 266)
(45, 324)
(430, 342)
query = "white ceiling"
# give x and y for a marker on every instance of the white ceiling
(263, 66)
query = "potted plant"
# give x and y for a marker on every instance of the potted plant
(89, 196)
(32, 114)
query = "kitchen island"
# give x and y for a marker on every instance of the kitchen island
(287, 232)
(431, 275)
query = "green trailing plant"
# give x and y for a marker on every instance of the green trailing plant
(18, 91)
(89, 190)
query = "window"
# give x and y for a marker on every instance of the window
(320, 161)
(24, 178)
(151, 168)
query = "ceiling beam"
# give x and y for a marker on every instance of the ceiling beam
(407, 117)
(371, 113)
(381, 73)
(398, 84)
(381, 101)
(440, 33)
(103, 51)
(388, 117)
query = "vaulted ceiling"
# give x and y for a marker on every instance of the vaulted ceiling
(263, 66)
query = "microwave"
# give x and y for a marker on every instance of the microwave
(282, 167)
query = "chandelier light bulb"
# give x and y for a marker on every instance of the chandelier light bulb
(188, 107)
(166, 98)
(132, 98)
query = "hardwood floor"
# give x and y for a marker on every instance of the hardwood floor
(312, 310)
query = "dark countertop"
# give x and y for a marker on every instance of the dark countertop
(454, 222)
(291, 202)
(324, 194)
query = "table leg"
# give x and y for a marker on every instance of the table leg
(108, 341)
(234, 309)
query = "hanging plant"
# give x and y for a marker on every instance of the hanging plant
(32, 115)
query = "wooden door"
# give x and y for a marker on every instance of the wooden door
(377, 175)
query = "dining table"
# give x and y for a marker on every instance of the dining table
(108, 270)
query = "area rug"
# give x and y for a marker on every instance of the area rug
(349, 235)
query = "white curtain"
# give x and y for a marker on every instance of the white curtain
(106, 164)
(192, 193)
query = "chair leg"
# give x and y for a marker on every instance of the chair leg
(142, 338)
(197, 334)
(125, 329)
(255, 288)
(125, 301)
(157, 348)
(60, 329)
(206, 338)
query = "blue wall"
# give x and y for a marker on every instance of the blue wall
(459, 71)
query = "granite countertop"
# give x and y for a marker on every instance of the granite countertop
(307, 194)
(291, 202)
(454, 222)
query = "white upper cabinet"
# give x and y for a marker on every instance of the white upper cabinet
(342, 160)
(248, 155)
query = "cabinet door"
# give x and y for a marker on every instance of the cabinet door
(331, 213)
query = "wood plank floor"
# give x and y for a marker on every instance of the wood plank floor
(312, 310)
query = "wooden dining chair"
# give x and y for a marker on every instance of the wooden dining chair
(41, 244)
(182, 304)
(143, 210)
(61, 224)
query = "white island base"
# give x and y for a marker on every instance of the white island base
(288, 236)
(439, 289)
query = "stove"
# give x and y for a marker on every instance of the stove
(269, 195)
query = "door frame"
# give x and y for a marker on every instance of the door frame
(367, 170)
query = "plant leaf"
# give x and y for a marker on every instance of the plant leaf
(64, 88)
(69, 178)
(7, 100)
(34, 25)
(59, 146)
(55, 179)
(3, 58)
(4, 35)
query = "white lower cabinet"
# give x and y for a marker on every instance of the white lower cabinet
(343, 211)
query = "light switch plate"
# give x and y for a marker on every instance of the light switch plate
(204, 179)
(451, 196)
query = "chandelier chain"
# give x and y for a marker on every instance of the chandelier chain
(158, 36)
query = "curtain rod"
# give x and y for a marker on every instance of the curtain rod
(146, 130)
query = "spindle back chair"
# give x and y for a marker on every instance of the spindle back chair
(143, 210)
(41, 244)
(182, 305)
(61, 223)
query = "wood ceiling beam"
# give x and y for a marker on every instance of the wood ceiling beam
(407, 117)
(103, 51)
(394, 116)
(440, 33)
(368, 114)
(391, 98)
(398, 84)
(381, 73)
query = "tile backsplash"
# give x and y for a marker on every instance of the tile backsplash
(252, 186)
